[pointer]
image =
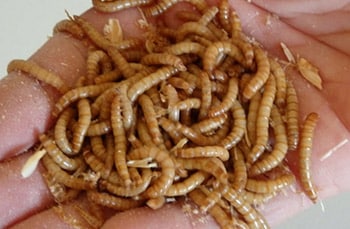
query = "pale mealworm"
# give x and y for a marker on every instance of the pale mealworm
(305, 151)
(97, 61)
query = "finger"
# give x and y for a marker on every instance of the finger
(26, 104)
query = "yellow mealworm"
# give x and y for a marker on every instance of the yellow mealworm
(60, 130)
(68, 26)
(208, 15)
(224, 15)
(281, 83)
(213, 166)
(129, 118)
(63, 177)
(159, 8)
(252, 115)
(238, 129)
(228, 100)
(253, 218)
(280, 148)
(149, 81)
(36, 71)
(220, 215)
(271, 185)
(292, 116)
(57, 155)
(216, 49)
(113, 202)
(213, 197)
(170, 96)
(117, 5)
(133, 189)
(99, 128)
(209, 124)
(261, 75)
(239, 168)
(165, 163)
(75, 94)
(151, 119)
(189, 28)
(205, 151)
(82, 125)
(190, 183)
(187, 104)
(120, 140)
(262, 120)
(205, 85)
(305, 151)
(163, 59)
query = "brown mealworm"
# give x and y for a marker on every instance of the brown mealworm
(305, 151)
(224, 15)
(118, 5)
(271, 185)
(36, 71)
(189, 28)
(281, 83)
(261, 76)
(209, 124)
(205, 85)
(187, 185)
(121, 63)
(163, 59)
(292, 116)
(252, 116)
(279, 151)
(97, 61)
(239, 168)
(97, 147)
(205, 151)
(99, 128)
(96, 164)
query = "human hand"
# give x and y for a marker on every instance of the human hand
(336, 133)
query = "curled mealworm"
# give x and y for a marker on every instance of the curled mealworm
(97, 147)
(305, 149)
(39, 73)
(60, 135)
(96, 164)
(97, 61)
(210, 124)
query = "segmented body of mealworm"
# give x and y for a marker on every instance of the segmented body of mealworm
(97, 147)
(99, 128)
(190, 28)
(166, 164)
(281, 83)
(113, 202)
(113, 75)
(205, 151)
(57, 155)
(305, 150)
(261, 75)
(220, 215)
(63, 177)
(292, 116)
(252, 115)
(68, 26)
(149, 113)
(253, 218)
(82, 125)
(180, 83)
(122, 64)
(97, 61)
(262, 120)
(257, 198)
(120, 140)
(96, 164)
(60, 130)
(213, 166)
(270, 185)
(236, 27)
(205, 85)
(217, 49)
(208, 15)
(228, 100)
(238, 129)
(75, 94)
(279, 151)
(224, 15)
(163, 59)
(239, 168)
(187, 185)
(39, 73)
(159, 8)
(149, 81)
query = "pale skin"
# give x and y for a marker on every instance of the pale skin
(316, 30)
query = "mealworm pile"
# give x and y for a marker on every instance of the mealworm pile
(200, 111)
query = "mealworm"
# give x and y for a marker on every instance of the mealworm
(292, 116)
(159, 8)
(279, 151)
(99, 128)
(238, 129)
(189, 28)
(60, 135)
(252, 115)
(57, 155)
(210, 165)
(150, 119)
(218, 48)
(96, 164)
(180, 83)
(271, 185)
(261, 76)
(281, 83)
(68, 26)
(156, 203)
(236, 27)
(221, 217)
(208, 15)
(63, 177)
(305, 151)
(118, 5)
(166, 164)
(81, 126)
(133, 189)
(239, 168)
(224, 15)
(36, 71)
(121, 63)
(209, 124)
(97, 147)
(97, 61)
(163, 59)
(120, 140)
(75, 94)
(262, 120)
(205, 85)
(206, 151)
(257, 198)
(149, 81)
(113, 75)
(183, 187)
(144, 134)
(113, 202)
(253, 218)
